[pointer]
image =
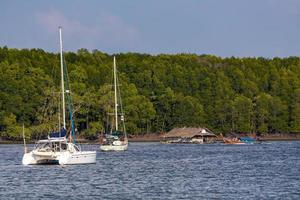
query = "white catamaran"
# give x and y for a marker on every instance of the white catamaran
(57, 149)
(117, 139)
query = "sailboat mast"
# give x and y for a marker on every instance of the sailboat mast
(23, 133)
(116, 103)
(62, 78)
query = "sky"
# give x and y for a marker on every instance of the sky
(240, 28)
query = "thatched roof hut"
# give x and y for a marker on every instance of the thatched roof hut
(188, 132)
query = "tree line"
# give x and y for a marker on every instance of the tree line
(159, 92)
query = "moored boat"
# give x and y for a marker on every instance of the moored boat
(238, 140)
(116, 139)
(233, 141)
(60, 148)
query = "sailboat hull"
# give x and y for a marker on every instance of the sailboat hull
(112, 147)
(63, 158)
(28, 159)
(81, 157)
(32, 159)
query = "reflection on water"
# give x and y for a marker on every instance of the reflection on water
(157, 171)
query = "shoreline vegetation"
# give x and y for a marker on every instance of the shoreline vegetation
(159, 93)
(159, 138)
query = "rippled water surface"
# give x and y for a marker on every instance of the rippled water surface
(157, 171)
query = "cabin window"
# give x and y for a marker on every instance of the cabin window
(64, 146)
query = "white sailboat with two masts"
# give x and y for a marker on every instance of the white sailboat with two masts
(116, 139)
(60, 148)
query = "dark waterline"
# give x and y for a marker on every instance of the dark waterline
(156, 171)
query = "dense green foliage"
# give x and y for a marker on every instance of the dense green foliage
(158, 92)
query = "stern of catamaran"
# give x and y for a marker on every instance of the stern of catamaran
(46, 151)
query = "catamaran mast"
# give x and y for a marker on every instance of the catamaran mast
(62, 78)
(23, 133)
(116, 103)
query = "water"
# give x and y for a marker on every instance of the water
(157, 171)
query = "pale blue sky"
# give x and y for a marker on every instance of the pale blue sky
(221, 27)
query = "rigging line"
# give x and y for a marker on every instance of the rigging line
(121, 105)
(69, 101)
(107, 123)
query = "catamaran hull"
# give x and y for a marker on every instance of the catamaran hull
(64, 158)
(86, 157)
(32, 159)
(28, 159)
(114, 147)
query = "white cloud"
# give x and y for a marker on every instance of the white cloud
(107, 31)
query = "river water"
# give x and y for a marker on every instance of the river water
(269, 170)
